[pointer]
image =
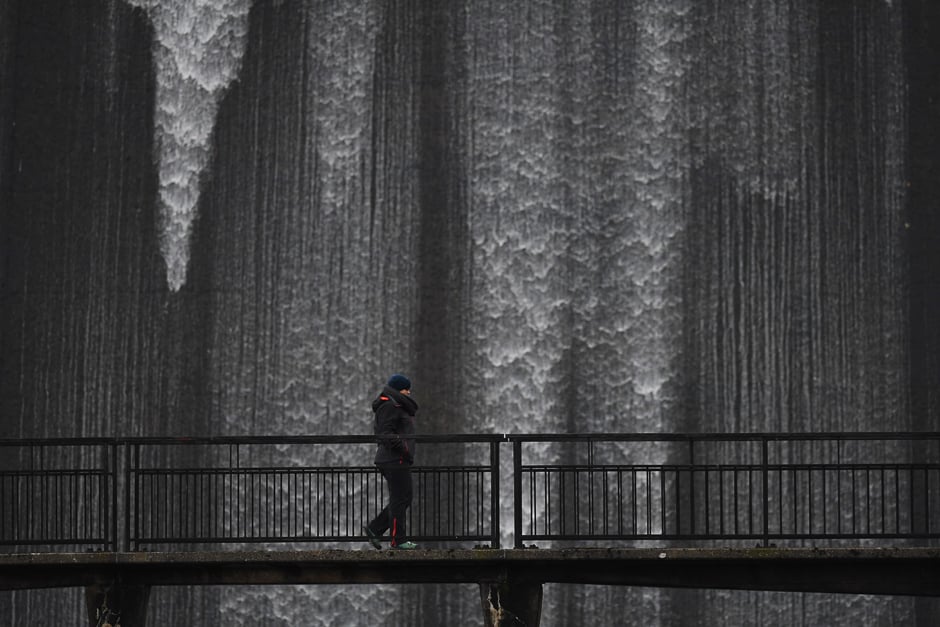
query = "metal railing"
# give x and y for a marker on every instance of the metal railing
(58, 492)
(689, 487)
(138, 493)
(251, 490)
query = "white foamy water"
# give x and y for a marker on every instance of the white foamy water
(198, 48)
(576, 130)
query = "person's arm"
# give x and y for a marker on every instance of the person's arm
(387, 427)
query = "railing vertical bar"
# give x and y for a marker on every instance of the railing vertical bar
(750, 499)
(203, 524)
(153, 509)
(549, 514)
(494, 494)
(678, 484)
(205, 508)
(692, 489)
(71, 517)
(517, 492)
(605, 491)
(56, 515)
(234, 485)
(87, 501)
(854, 501)
(250, 481)
(37, 522)
(100, 528)
(619, 501)
(839, 474)
(461, 528)
(766, 495)
(422, 517)
(452, 499)
(810, 522)
(211, 529)
(482, 527)
(175, 492)
(590, 480)
(884, 499)
(147, 522)
(166, 531)
(927, 499)
(795, 500)
(634, 505)
(781, 477)
(194, 479)
(721, 501)
(127, 497)
(321, 500)
(562, 499)
(464, 484)
(734, 475)
(470, 481)
(438, 489)
(15, 480)
(707, 503)
(3, 511)
(575, 514)
(910, 488)
(663, 492)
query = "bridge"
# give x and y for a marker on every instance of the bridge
(825, 512)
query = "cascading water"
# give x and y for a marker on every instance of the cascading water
(197, 53)
(583, 216)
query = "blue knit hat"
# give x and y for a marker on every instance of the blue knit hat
(399, 382)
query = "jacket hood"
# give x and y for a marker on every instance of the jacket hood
(405, 402)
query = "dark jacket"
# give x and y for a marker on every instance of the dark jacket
(394, 423)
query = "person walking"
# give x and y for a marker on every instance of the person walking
(395, 427)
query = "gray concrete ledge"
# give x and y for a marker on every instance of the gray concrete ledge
(863, 570)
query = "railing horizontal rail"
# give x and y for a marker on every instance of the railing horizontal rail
(724, 437)
(478, 437)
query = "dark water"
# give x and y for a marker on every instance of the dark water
(556, 216)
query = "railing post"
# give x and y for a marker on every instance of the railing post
(114, 497)
(764, 459)
(494, 494)
(127, 497)
(692, 487)
(517, 492)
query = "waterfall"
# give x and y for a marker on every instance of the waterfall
(555, 215)
(198, 49)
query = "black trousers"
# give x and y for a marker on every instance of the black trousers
(392, 517)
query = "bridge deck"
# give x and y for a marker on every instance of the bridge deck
(901, 571)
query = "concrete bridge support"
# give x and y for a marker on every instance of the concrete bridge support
(511, 604)
(124, 605)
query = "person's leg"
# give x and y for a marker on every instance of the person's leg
(400, 492)
(379, 524)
